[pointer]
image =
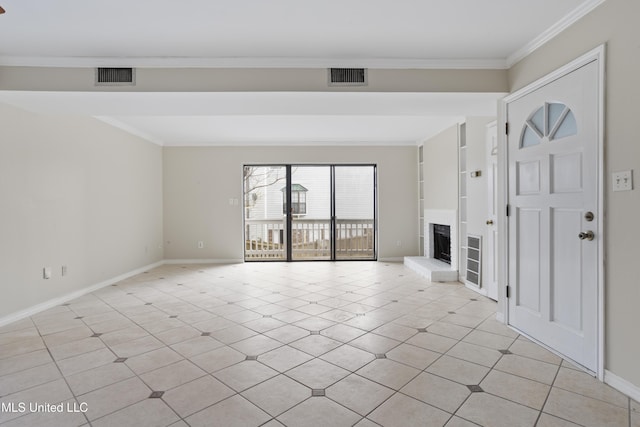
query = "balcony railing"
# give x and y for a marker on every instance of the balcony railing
(311, 239)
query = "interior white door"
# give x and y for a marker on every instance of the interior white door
(553, 196)
(491, 258)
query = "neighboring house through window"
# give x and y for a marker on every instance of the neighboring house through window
(298, 199)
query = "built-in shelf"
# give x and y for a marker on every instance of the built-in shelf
(421, 195)
(462, 198)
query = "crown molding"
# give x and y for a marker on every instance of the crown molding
(297, 143)
(246, 62)
(577, 14)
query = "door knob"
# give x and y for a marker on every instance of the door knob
(489, 222)
(586, 236)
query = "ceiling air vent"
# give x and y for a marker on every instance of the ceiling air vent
(115, 76)
(347, 76)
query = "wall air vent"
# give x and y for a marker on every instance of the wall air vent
(347, 76)
(115, 76)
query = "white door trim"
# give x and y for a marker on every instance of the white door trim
(597, 54)
(490, 282)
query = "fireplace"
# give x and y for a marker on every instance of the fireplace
(436, 217)
(440, 263)
(442, 242)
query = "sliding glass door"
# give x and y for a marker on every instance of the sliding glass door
(310, 212)
(265, 224)
(354, 199)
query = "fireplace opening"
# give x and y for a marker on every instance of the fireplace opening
(442, 242)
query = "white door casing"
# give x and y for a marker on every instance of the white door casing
(490, 279)
(554, 179)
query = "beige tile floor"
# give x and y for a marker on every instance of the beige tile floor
(300, 344)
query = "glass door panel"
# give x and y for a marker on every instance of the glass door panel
(310, 210)
(265, 224)
(354, 212)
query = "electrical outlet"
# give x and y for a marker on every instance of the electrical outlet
(200, 244)
(46, 273)
(622, 181)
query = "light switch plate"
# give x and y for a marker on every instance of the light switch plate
(622, 181)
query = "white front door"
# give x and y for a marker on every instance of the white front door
(553, 200)
(491, 259)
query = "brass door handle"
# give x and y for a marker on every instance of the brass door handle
(586, 235)
(489, 222)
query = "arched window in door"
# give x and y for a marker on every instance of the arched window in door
(550, 122)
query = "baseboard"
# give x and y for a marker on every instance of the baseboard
(622, 385)
(203, 261)
(73, 295)
(391, 259)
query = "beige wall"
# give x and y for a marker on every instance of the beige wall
(259, 79)
(615, 23)
(199, 181)
(75, 192)
(441, 170)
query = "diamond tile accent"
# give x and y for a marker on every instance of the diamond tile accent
(315, 332)
(422, 329)
(451, 312)
(96, 335)
(473, 299)
(148, 303)
(173, 317)
(156, 394)
(251, 358)
(317, 392)
(505, 351)
(231, 302)
(394, 300)
(381, 356)
(475, 388)
(78, 318)
(266, 316)
(420, 290)
(360, 314)
(205, 334)
(120, 360)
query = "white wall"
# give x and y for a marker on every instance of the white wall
(615, 23)
(74, 192)
(199, 181)
(440, 164)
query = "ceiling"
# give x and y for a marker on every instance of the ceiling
(275, 33)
